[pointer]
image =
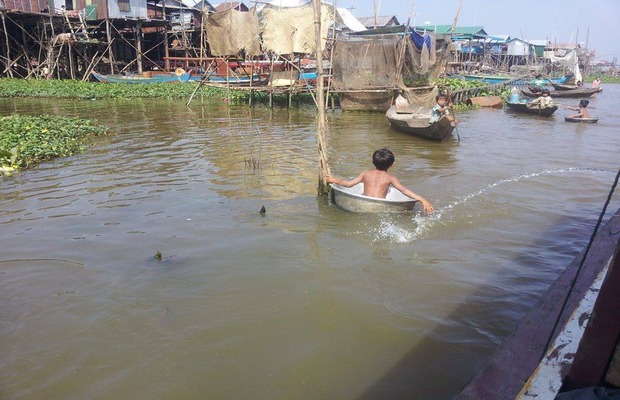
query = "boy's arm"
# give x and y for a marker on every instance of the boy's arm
(341, 182)
(426, 205)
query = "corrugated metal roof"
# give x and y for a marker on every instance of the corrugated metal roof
(446, 29)
(382, 20)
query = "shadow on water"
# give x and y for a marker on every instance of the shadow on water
(456, 362)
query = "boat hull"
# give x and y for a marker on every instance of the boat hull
(138, 79)
(366, 101)
(582, 120)
(419, 126)
(573, 93)
(352, 199)
(239, 80)
(533, 109)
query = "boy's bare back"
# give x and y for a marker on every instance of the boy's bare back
(376, 183)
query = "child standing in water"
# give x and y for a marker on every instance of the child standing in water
(377, 181)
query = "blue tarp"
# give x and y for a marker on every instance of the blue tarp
(419, 41)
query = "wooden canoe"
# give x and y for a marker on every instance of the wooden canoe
(418, 124)
(534, 109)
(561, 86)
(591, 120)
(575, 93)
(141, 79)
(352, 199)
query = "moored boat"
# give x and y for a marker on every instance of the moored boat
(419, 124)
(142, 79)
(535, 109)
(239, 80)
(352, 199)
(574, 93)
(491, 79)
(591, 120)
(563, 86)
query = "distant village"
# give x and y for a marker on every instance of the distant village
(68, 39)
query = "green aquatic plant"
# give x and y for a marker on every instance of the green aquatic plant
(28, 140)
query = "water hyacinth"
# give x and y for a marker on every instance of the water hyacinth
(28, 140)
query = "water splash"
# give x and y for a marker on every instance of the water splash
(389, 230)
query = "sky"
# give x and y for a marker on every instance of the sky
(567, 21)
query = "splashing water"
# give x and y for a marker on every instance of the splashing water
(423, 224)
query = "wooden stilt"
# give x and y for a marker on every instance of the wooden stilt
(139, 46)
(324, 172)
(108, 32)
(8, 48)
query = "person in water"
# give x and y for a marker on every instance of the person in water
(583, 110)
(377, 181)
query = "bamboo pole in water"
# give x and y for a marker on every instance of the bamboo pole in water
(321, 125)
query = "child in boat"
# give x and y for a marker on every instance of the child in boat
(583, 110)
(440, 109)
(377, 181)
(544, 100)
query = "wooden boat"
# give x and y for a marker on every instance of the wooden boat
(569, 340)
(575, 93)
(490, 79)
(550, 81)
(135, 79)
(377, 100)
(561, 86)
(418, 124)
(238, 80)
(352, 199)
(591, 120)
(535, 109)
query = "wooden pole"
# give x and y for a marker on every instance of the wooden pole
(139, 46)
(456, 17)
(324, 172)
(8, 46)
(108, 33)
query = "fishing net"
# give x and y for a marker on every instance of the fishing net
(233, 32)
(388, 61)
(424, 58)
(365, 62)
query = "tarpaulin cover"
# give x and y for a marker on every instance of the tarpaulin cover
(291, 30)
(232, 32)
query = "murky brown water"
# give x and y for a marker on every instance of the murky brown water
(308, 301)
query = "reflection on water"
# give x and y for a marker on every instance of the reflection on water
(305, 301)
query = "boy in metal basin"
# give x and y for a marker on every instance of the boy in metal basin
(377, 181)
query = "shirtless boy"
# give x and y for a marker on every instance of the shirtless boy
(378, 181)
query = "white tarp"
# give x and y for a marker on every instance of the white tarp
(570, 61)
(346, 18)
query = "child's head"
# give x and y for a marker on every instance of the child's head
(583, 103)
(546, 92)
(441, 98)
(383, 159)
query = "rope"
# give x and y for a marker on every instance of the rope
(574, 281)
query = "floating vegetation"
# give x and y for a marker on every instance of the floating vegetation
(27, 140)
